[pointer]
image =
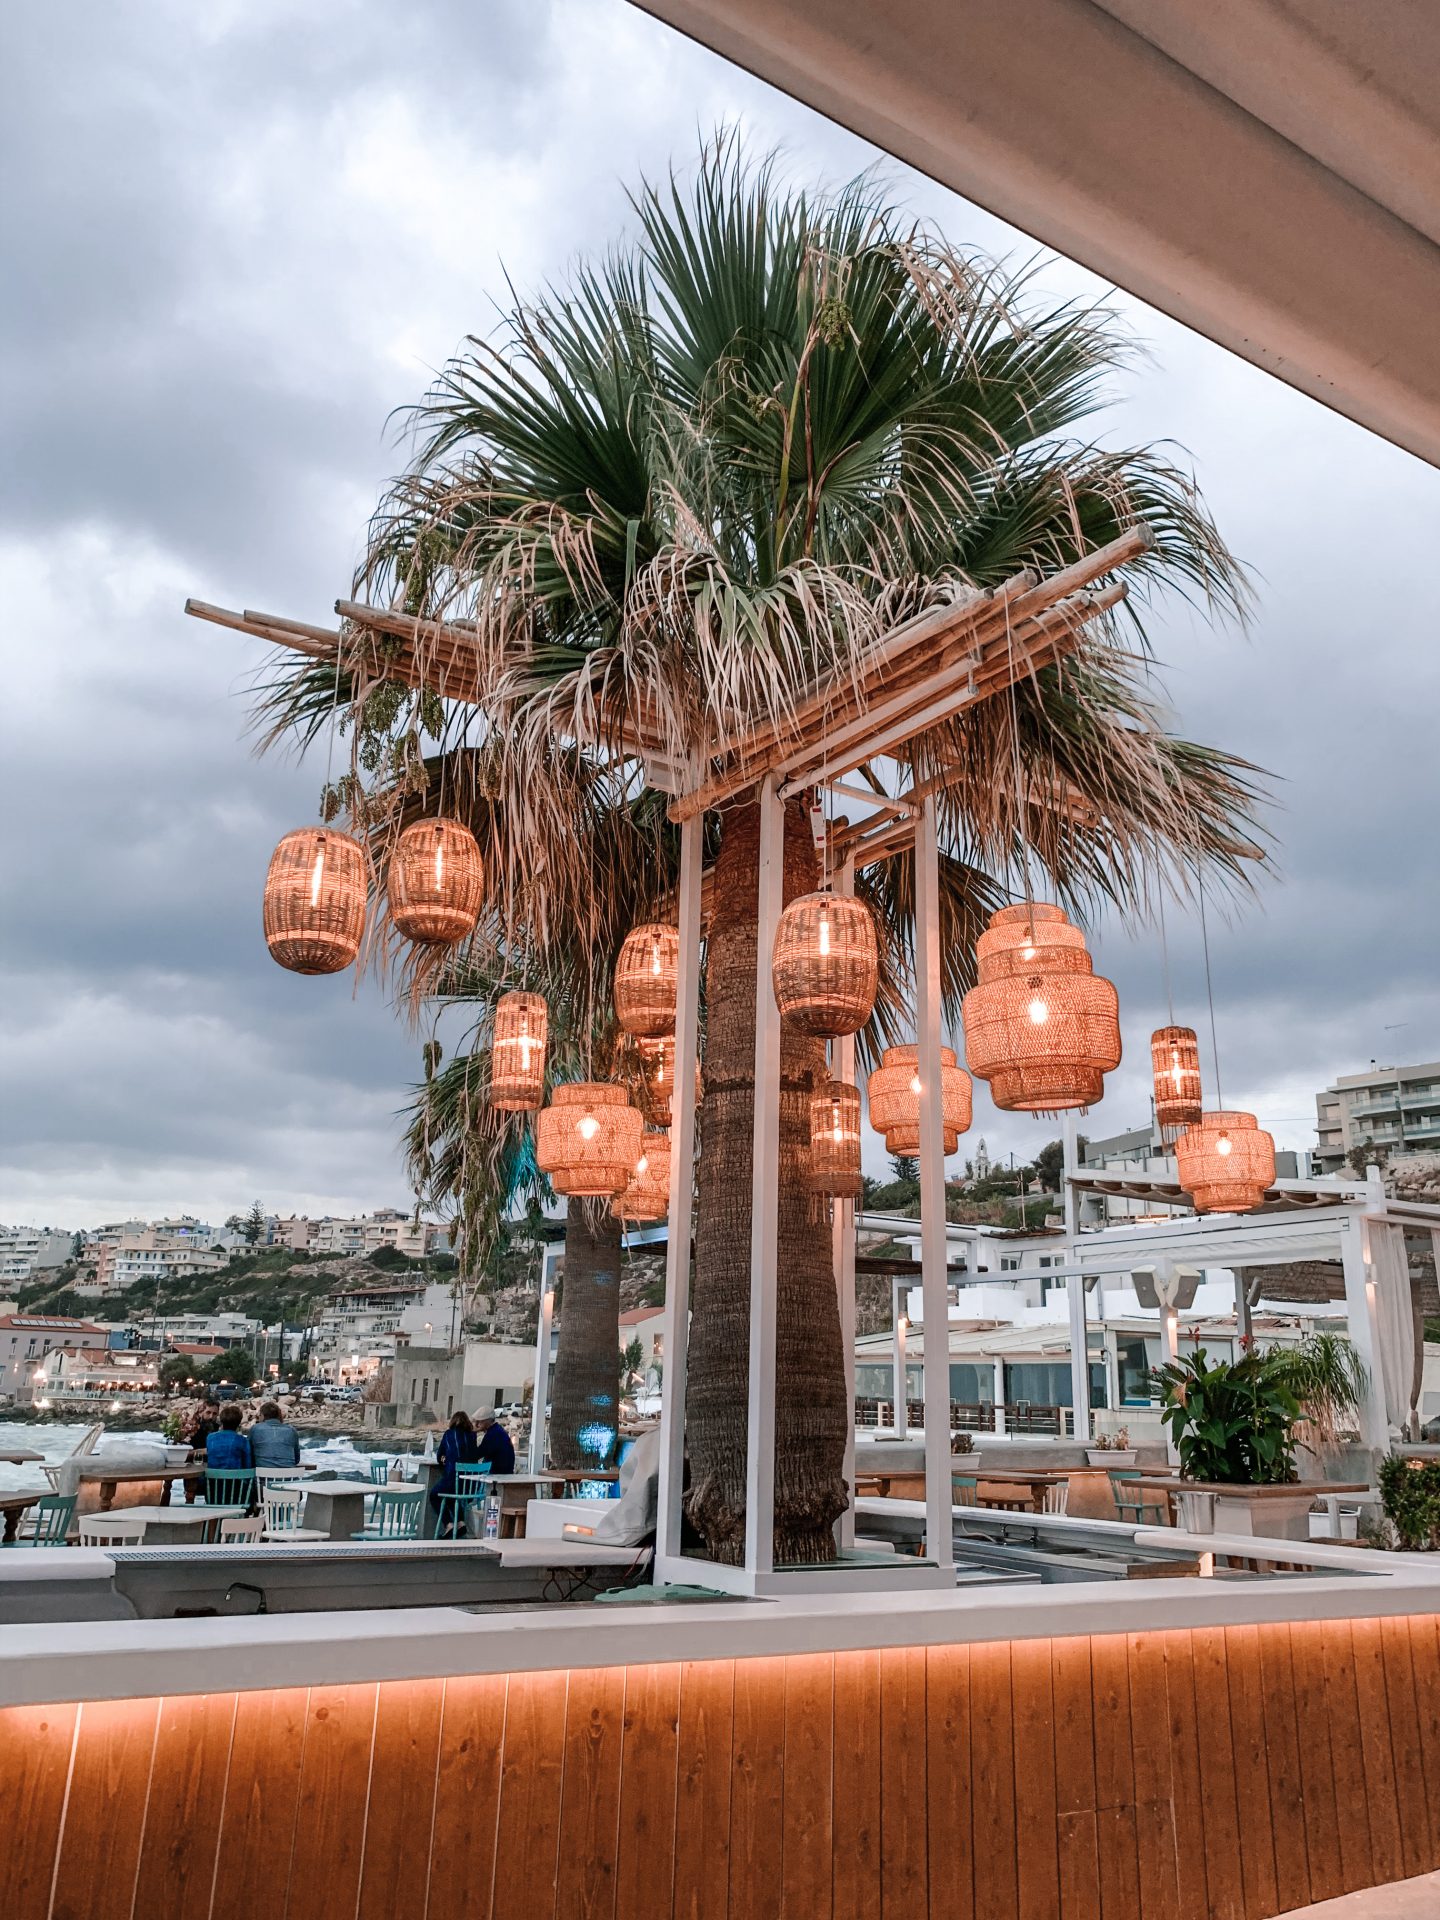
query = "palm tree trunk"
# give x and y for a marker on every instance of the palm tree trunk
(585, 1386)
(810, 1410)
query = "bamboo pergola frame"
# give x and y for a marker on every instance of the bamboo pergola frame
(881, 707)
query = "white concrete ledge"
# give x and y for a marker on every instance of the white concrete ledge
(114, 1660)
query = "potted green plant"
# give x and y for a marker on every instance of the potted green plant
(1111, 1449)
(1233, 1425)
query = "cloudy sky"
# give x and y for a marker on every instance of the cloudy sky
(236, 238)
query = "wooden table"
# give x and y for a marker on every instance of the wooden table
(1031, 1481)
(575, 1476)
(517, 1490)
(12, 1505)
(178, 1526)
(19, 1456)
(109, 1478)
(337, 1507)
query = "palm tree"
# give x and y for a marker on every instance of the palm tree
(722, 461)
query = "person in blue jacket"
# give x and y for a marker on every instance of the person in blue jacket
(458, 1448)
(496, 1446)
(228, 1447)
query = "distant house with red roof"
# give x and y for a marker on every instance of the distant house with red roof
(26, 1338)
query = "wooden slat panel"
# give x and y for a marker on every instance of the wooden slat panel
(1037, 1856)
(904, 1869)
(400, 1807)
(262, 1792)
(1185, 1776)
(1386, 1849)
(1321, 1807)
(702, 1794)
(807, 1845)
(531, 1772)
(467, 1798)
(1114, 1778)
(757, 1758)
(1213, 1739)
(187, 1796)
(1076, 1841)
(1415, 1841)
(1342, 1707)
(856, 1718)
(1150, 1744)
(645, 1869)
(35, 1748)
(330, 1818)
(992, 1780)
(105, 1815)
(1263, 1706)
(1425, 1656)
(949, 1799)
(590, 1794)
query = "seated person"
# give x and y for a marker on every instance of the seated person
(496, 1446)
(228, 1448)
(273, 1441)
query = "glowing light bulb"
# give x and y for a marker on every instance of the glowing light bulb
(318, 874)
(439, 860)
(1222, 1145)
(1028, 953)
(589, 1127)
(824, 933)
(642, 1163)
(837, 1135)
(915, 1083)
(655, 957)
(1038, 1011)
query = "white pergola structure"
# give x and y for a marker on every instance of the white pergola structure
(881, 710)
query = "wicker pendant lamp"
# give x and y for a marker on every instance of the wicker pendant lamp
(588, 1139)
(893, 1090)
(647, 976)
(657, 1064)
(517, 1052)
(835, 1140)
(1175, 1064)
(436, 882)
(315, 900)
(826, 964)
(1226, 1162)
(647, 1194)
(1040, 1026)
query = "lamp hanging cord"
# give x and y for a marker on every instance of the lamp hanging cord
(1165, 958)
(1209, 990)
(1020, 820)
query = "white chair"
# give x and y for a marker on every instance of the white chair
(110, 1530)
(234, 1532)
(283, 1507)
(1056, 1497)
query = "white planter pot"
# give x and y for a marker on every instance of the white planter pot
(1111, 1456)
(1280, 1517)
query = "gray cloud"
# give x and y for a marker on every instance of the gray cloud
(240, 236)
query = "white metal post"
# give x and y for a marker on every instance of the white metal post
(550, 1258)
(843, 1253)
(999, 1367)
(898, 1385)
(1075, 1288)
(682, 1184)
(765, 1195)
(939, 1527)
(1361, 1323)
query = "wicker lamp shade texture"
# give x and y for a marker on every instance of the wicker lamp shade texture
(657, 1064)
(436, 882)
(1040, 1026)
(1175, 1064)
(893, 1090)
(1226, 1162)
(835, 1140)
(588, 1139)
(825, 965)
(517, 1052)
(647, 1193)
(314, 911)
(646, 980)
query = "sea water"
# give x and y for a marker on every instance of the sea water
(55, 1441)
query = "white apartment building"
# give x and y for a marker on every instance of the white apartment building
(356, 1330)
(26, 1338)
(1397, 1108)
(77, 1375)
(386, 1227)
(131, 1254)
(26, 1252)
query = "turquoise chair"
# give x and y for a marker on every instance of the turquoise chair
(230, 1487)
(962, 1489)
(50, 1522)
(397, 1515)
(379, 1477)
(1140, 1505)
(450, 1519)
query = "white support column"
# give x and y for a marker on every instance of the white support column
(843, 1254)
(939, 1527)
(1362, 1324)
(1075, 1289)
(553, 1254)
(682, 1187)
(898, 1387)
(765, 1195)
(999, 1365)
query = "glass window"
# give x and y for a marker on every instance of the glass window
(1133, 1356)
(972, 1382)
